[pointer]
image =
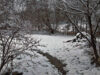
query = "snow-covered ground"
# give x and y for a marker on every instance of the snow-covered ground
(53, 43)
(39, 64)
(73, 54)
(35, 65)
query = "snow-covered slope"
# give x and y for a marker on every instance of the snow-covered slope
(73, 54)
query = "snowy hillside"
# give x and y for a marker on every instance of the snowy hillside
(72, 54)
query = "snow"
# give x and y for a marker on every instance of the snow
(39, 64)
(65, 28)
(73, 54)
(19, 5)
(35, 65)
(52, 42)
(79, 36)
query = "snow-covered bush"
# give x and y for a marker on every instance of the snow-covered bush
(12, 44)
(80, 38)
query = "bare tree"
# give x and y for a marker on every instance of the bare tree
(14, 42)
(87, 8)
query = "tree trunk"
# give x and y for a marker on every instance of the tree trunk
(93, 40)
(1, 66)
(52, 31)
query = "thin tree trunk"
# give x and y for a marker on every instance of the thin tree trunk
(93, 40)
(1, 66)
